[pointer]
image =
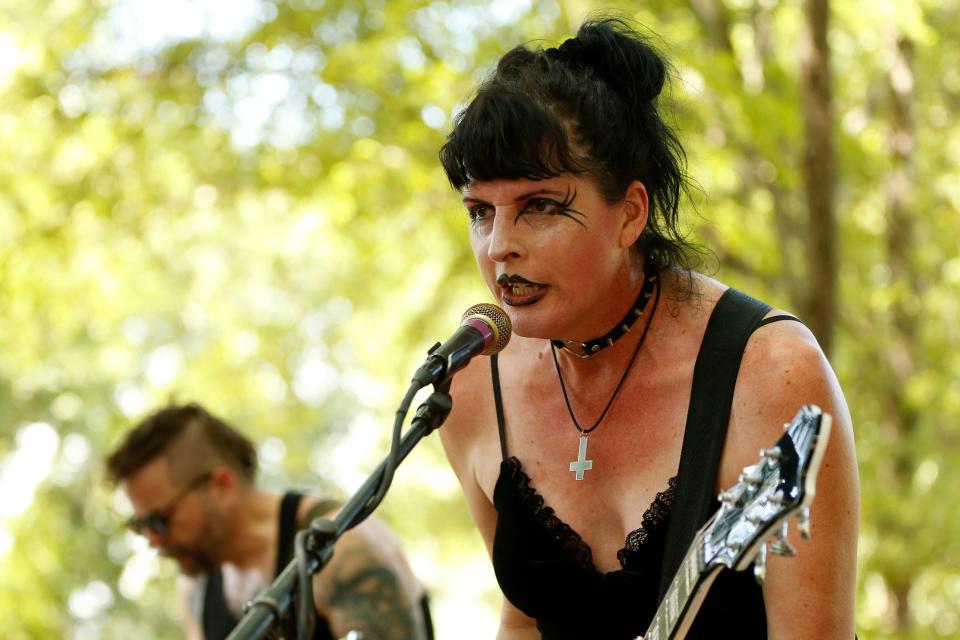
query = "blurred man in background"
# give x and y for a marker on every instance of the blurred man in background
(191, 480)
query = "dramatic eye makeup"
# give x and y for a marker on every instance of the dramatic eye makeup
(533, 203)
(540, 204)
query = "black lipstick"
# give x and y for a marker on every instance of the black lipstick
(503, 280)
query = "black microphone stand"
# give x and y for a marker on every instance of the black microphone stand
(274, 603)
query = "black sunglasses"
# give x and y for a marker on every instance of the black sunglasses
(158, 520)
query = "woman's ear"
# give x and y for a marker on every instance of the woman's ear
(635, 211)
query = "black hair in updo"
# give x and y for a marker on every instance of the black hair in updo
(588, 106)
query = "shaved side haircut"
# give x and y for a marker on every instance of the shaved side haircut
(190, 438)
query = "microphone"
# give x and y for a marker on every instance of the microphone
(484, 330)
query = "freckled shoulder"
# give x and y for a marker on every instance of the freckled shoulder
(470, 433)
(471, 394)
(784, 368)
(470, 436)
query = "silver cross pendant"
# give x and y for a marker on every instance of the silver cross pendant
(581, 465)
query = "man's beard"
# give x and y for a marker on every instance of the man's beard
(193, 562)
(198, 556)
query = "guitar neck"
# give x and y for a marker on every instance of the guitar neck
(683, 598)
(754, 510)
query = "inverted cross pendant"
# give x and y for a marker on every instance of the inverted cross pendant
(581, 465)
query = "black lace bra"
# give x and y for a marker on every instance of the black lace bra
(546, 569)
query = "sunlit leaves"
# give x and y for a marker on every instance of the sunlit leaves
(247, 210)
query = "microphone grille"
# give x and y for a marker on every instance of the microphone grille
(498, 321)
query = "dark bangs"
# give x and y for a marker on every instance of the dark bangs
(505, 134)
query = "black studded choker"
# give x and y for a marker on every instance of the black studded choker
(591, 348)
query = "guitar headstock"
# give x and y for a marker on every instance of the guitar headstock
(759, 506)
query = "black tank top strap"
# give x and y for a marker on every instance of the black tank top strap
(498, 403)
(216, 618)
(771, 319)
(289, 505)
(735, 317)
(286, 536)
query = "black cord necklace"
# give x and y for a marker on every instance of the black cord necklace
(581, 465)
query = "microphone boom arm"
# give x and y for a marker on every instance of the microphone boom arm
(484, 330)
(272, 605)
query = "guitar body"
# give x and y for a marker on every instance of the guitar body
(781, 485)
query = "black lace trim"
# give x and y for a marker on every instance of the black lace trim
(653, 518)
(568, 539)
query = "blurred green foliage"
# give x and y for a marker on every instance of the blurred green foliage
(239, 203)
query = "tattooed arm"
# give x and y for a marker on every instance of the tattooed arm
(368, 586)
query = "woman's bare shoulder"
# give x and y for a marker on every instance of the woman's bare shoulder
(783, 368)
(472, 388)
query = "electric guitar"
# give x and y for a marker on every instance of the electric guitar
(758, 507)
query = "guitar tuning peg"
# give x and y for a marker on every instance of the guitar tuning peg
(804, 525)
(751, 475)
(772, 454)
(781, 546)
(760, 565)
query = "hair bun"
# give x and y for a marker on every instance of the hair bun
(571, 52)
(615, 52)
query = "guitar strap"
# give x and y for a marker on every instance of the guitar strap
(733, 320)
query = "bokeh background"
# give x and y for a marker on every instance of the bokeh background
(238, 202)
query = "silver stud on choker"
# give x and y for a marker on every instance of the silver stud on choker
(590, 348)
